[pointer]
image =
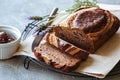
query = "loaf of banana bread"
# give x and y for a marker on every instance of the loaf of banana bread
(88, 28)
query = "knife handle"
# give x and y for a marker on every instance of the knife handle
(54, 11)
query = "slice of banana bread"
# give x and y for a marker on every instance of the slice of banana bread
(66, 47)
(56, 58)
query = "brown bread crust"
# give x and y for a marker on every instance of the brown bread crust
(88, 28)
(55, 58)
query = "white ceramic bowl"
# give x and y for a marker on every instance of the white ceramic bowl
(7, 49)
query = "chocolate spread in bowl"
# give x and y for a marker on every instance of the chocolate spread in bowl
(6, 37)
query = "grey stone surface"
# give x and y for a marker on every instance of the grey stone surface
(15, 13)
(110, 1)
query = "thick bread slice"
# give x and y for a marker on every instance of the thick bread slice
(66, 47)
(56, 58)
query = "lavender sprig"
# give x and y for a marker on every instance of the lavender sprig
(38, 18)
(45, 25)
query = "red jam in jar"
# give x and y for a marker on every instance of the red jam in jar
(6, 37)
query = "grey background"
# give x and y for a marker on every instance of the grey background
(15, 13)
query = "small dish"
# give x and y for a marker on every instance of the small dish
(7, 49)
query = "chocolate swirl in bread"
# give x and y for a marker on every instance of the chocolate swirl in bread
(88, 28)
(66, 47)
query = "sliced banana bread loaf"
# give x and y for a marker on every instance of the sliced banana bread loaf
(88, 28)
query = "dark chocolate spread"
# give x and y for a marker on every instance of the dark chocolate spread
(6, 37)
